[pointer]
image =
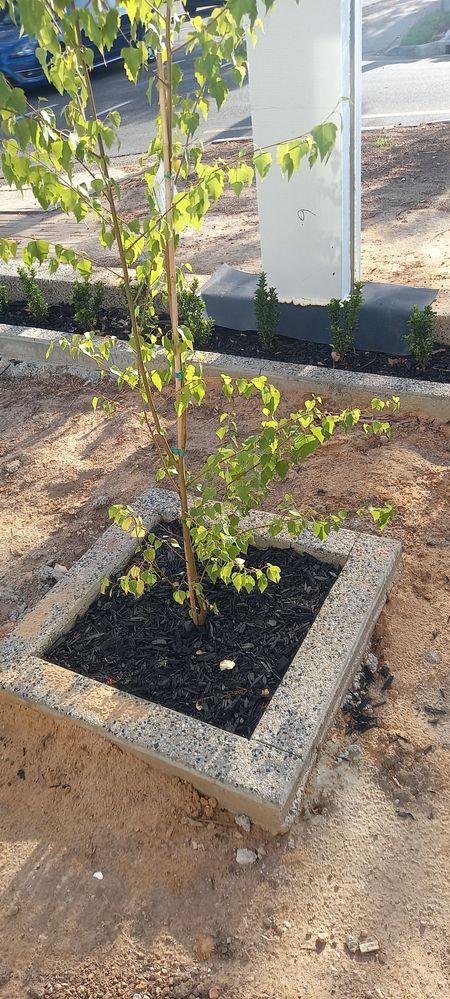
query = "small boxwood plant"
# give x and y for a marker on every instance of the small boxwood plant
(193, 314)
(87, 300)
(266, 311)
(36, 304)
(344, 316)
(420, 334)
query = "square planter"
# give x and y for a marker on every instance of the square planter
(261, 775)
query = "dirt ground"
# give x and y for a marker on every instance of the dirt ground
(174, 915)
(405, 206)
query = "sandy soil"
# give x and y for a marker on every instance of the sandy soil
(174, 915)
(405, 202)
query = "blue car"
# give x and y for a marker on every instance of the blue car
(18, 59)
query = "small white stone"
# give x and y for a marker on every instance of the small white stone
(12, 466)
(244, 856)
(369, 946)
(243, 822)
(59, 570)
(432, 657)
(372, 663)
(227, 664)
(98, 875)
(352, 943)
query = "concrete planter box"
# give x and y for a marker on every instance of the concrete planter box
(259, 776)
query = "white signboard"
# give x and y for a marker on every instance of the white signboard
(304, 70)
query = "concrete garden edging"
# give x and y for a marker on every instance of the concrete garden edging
(259, 776)
(432, 399)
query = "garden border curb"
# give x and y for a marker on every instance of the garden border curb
(260, 776)
(432, 399)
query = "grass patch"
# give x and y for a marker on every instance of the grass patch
(427, 28)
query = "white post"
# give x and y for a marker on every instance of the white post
(306, 63)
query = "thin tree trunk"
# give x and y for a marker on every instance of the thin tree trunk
(164, 72)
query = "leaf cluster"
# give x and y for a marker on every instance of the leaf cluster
(419, 338)
(344, 320)
(87, 301)
(36, 304)
(266, 311)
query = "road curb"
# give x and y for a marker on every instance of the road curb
(430, 399)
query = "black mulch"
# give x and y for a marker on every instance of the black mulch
(149, 647)
(247, 344)
(360, 704)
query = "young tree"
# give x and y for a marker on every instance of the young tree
(44, 152)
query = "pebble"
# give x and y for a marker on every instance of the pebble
(372, 663)
(100, 501)
(432, 657)
(352, 752)
(243, 822)
(182, 991)
(321, 938)
(50, 573)
(214, 992)
(244, 856)
(369, 946)
(352, 944)
(12, 466)
(13, 909)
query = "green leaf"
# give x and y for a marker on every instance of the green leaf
(282, 468)
(263, 163)
(36, 249)
(273, 573)
(132, 58)
(325, 137)
(157, 380)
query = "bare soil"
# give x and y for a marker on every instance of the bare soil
(174, 914)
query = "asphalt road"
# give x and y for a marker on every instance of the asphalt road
(395, 92)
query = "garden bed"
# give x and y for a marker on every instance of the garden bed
(248, 344)
(151, 649)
